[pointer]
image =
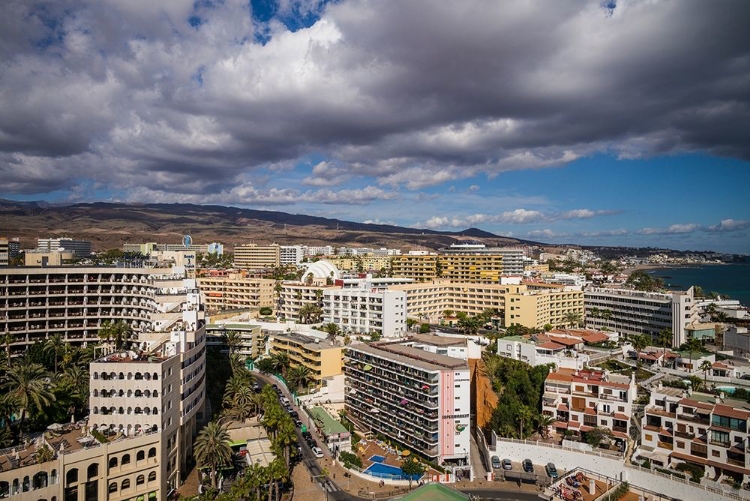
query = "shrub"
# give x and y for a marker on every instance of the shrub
(619, 492)
(696, 472)
(349, 459)
(265, 311)
(670, 472)
(99, 437)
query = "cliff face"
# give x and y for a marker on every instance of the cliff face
(484, 399)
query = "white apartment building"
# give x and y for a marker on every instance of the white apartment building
(636, 312)
(159, 385)
(75, 302)
(581, 400)
(291, 254)
(700, 429)
(81, 248)
(417, 399)
(145, 403)
(541, 352)
(311, 251)
(364, 310)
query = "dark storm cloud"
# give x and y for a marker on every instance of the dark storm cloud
(412, 95)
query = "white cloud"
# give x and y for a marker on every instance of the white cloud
(727, 225)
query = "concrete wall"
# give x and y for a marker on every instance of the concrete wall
(566, 460)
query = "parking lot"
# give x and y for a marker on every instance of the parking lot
(537, 473)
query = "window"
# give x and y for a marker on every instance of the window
(140, 480)
(112, 487)
(72, 476)
(716, 454)
(152, 452)
(126, 459)
(141, 455)
(152, 476)
(125, 484)
(680, 444)
(93, 471)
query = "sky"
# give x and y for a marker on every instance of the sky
(593, 123)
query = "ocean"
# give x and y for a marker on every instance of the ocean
(731, 279)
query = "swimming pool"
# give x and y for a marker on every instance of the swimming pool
(381, 470)
(377, 459)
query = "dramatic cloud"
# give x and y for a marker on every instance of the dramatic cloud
(186, 98)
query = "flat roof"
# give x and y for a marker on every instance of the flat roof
(324, 420)
(437, 340)
(233, 326)
(435, 492)
(306, 341)
(408, 355)
(132, 357)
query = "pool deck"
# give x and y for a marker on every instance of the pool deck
(369, 448)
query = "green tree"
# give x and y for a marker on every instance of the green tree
(705, 367)
(233, 340)
(412, 467)
(55, 345)
(424, 328)
(410, 323)
(640, 342)
(332, 329)
(280, 363)
(298, 376)
(470, 325)
(523, 416)
(665, 339)
(29, 385)
(375, 336)
(544, 421)
(119, 332)
(693, 345)
(572, 318)
(695, 383)
(597, 435)
(286, 437)
(212, 449)
(642, 281)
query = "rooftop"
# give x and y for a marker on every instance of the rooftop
(412, 356)
(132, 356)
(324, 420)
(435, 492)
(437, 340)
(310, 342)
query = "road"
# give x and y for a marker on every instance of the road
(335, 493)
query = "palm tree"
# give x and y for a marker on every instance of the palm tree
(545, 421)
(523, 416)
(286, 436)
(276, 472)
(29, 384)
(55, 344)
(572, 318)
(693, 345)
(298, 376)
(665, 338)
(7, 341)
(332, 329)
(695, 383)
(233, 340)
(410, 323)
(212, 449)
(258, 403)
(119, 332)
(77, 379)
(639, 343)
(705, 367)
(470, 325)
(241, 410)
(9, 406)
(280, 362)
(273, 418)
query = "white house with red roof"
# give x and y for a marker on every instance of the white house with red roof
(581, 400)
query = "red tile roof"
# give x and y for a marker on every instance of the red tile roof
(731, 412)
(596, 337)
(549, 345)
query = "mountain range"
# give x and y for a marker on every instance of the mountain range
(109, 225)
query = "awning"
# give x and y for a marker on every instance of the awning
(367, 368)
(560, 424)
(655, 456)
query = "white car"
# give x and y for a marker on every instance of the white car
(318, 452)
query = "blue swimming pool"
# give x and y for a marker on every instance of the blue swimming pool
(377, 459)
(381, 470)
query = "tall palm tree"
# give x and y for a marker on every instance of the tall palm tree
(639, 343)
(523, 416)
(273, 418)
(212, 449)
(7, 341)
(298, 376)
(545, 421)
(56, 345)
(470, 325)
(276, 472)
(286, 436)
(705, 367)
(572, 318)
(29, 384)
(76, 379)
(332, 329)
(665, 339)
(258, 402)
(693, 345)
(280, 362)
(233, 340)
(119, 332)
(9, 406)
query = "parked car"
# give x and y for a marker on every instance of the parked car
(318, 452)
(528, 466)
(551, 471)
(297, 423)
(507, 465)
(495, 462)
(256, 388)
(294, 414)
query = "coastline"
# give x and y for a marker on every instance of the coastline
(651, 266)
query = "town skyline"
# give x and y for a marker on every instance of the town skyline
(604, 123)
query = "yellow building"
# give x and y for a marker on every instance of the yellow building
(257, 257)
(369, 264)
(323, 359)
(236, 291)
(537, 268)
(537, 308)
(527, 304)
(477, 268)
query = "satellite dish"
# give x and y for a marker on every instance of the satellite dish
(187, 241)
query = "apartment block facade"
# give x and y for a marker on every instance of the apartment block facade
(75, 302)
(698, 429)
(291, 254)
(252, 339)
(537, 308)
(323, 358)
(236, 291)
(581, 400)
(636, 312)
(364, 310)
(257, 257)
(9, 248)
(81, 248)
(418, 399)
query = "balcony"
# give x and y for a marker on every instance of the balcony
(736, 462)
(665, 445)
(693, 418)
